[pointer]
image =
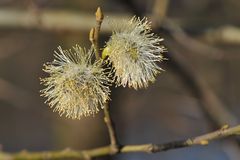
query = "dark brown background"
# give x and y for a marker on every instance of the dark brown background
(170, 109)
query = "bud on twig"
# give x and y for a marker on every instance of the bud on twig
(99, 15)
(92, 35)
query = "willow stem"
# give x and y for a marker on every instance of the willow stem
(111, 130)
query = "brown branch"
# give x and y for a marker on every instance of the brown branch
(106, 150)
(94, 38)
(99, 19)
(94, 43)
(94, 33)
(111, 130)
(159, 11)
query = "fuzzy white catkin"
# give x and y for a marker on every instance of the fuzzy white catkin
(75, 87)
(133, 51)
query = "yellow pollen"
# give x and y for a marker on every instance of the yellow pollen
(133, 53)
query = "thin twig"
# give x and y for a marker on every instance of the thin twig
(94, 33)
(99, 19)
(106, 150)
(93, 41)
(94, 38)
(111, 130)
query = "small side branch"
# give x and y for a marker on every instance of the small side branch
(94, 33)
(107, 150)
(99, 19)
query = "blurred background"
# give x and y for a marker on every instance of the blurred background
(198, 92)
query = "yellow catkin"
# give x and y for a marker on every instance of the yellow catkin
(75, 86)
(133, 51)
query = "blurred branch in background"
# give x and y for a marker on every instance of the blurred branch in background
(62, 20)
(212, 105)
(159, 12)
(229, 35)
(52, 20)
(106, 150)
(216, 110)
(198, 47)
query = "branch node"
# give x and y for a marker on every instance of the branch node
(86, 156)
(204, 142)
(94, 32)
(152, 148)
(114, 149)
(189, 142)
(224, 127)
